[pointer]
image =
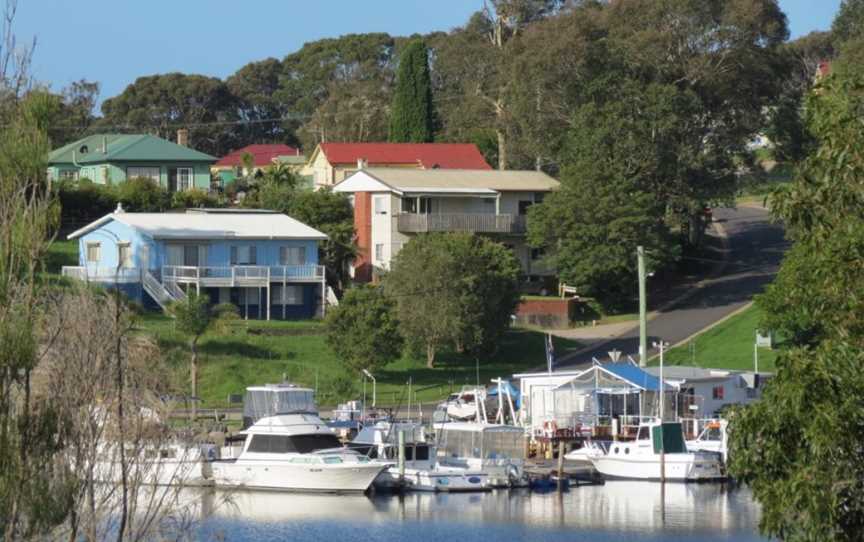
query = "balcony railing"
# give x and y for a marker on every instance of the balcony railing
(465, 222)
(102, 274)
(240, 275)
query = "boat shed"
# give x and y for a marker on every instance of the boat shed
(604, 399)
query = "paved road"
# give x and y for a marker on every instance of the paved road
(755, 250)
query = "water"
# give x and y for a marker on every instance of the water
(624, 511)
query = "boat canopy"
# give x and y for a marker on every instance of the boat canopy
(275, 399)
(668, 436)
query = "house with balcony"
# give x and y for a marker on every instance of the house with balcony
(391, 205)
(113, 158)
(265, 263)
(331, 163)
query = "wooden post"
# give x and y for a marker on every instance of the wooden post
(560, 465)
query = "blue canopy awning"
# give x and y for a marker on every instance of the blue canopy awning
(633, 374)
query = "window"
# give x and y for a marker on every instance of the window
(523, 207)
(124, 254)
(425, 206)
(538, 197)
(151, 173)
(292, 255)
(717, 392)
(69, 175)
(379, 252)
(283, 444)
(380, 205)
(190, 256)
(291, 294)
(243, 255)
(536, 254)
(184, 179)
(94, 251)
(409, 205)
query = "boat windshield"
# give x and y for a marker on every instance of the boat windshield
(284, 444)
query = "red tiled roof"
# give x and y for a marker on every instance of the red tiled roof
(428, 155)
(263, 154)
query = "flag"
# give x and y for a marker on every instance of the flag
(550, 353)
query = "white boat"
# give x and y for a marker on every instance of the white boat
(463, 406)
(295, 452)
(495, 449)
(421, 471)
(712, 439)
(641, 459)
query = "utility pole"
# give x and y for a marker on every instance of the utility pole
(643, 306)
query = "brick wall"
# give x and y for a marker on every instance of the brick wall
(555, 313)
(363, 229)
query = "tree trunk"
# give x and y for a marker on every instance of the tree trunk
(430, 355)
(193, 369)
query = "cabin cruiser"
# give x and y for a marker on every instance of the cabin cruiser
(421, 471)
(495, 449)
(713, 439)
(641, 459)
(294, 452)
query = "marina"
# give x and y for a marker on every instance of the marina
(615, 511)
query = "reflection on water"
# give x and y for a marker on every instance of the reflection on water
(616, 511)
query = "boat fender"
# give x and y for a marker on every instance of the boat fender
(512, 474)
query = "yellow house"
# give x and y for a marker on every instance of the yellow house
(331, 163)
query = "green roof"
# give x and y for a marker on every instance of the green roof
(125, 148)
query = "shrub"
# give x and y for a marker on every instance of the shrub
(83, 201)
(142, 195)
(195, 197)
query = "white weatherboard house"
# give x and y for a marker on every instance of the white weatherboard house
(393, 204)
(704, 392)
(265, 263)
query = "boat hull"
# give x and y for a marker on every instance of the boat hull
(278, 476)
(678, 468)
(439, 479)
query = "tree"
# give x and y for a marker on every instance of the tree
(165, 103)
(363, 330)
(332, 214)
(849, 23)
(455, 290)
(193, 318)
(795, 447)
(256, 87)
(411, 116)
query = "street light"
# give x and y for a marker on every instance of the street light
(369, 375)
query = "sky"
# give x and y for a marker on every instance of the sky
(115, 41)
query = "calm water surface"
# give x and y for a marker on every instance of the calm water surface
(616, 511)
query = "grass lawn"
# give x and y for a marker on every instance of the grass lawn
(298, 350)
(725, 346)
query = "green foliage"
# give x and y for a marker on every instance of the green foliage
(453, 290)
(412, 112)
(332, 214)
(363, 330)
(142, 195)
(83, 201)
(192, 315)
(849, 23)
(194, 198)
(158, 103)
(799, 447)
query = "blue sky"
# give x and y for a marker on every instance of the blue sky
(115, 41)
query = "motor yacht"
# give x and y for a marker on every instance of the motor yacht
(641, 459)
(294, 452)
(495, 449)
(422, 471)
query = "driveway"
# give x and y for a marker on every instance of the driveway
(755, 250)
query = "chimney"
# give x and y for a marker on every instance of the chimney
(183, 137)
(361, 163)
(119, 208)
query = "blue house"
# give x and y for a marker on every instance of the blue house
(265, 263)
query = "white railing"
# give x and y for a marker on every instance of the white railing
(466, 222)
(102, 274)
(230, 275)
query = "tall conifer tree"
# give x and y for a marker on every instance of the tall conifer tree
(411, 117)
